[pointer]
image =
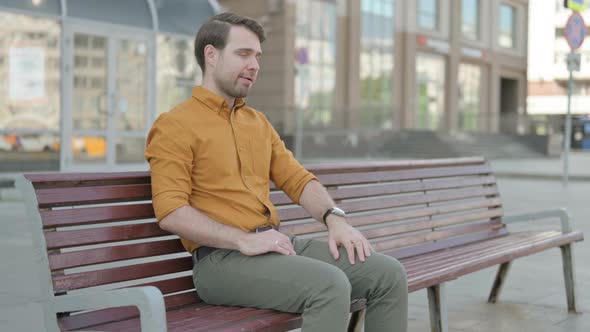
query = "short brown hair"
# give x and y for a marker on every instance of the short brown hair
(215, 31)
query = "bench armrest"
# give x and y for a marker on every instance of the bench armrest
(147, 299)
(562, 214)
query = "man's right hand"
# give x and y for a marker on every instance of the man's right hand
(253, 244)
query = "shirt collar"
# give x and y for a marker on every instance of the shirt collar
(214, 101)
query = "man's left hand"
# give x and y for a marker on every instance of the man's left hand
(340, 233)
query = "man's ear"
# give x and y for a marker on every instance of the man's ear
(211, 56)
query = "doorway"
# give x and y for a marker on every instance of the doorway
(508, 105)
(106, 97)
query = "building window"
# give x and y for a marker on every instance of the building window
(430, 90)
(80, 61)
(507, 33)
(469, 96)
(470, 19)
(376, 63)
(428, 14)
(177, 71)
(81, 41)
(315, 44)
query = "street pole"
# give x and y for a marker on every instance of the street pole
(568, 128)
(574, 33)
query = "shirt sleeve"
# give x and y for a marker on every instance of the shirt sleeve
(170, 156)
(285, 171)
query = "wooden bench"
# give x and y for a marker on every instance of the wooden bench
(95, 237)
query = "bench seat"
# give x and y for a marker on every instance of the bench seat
(448, 264)
(423, 271)
(204, 317)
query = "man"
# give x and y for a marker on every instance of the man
(212, 159)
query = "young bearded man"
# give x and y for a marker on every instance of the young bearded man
(212, 159)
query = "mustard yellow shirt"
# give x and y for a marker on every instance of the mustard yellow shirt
(220, 162)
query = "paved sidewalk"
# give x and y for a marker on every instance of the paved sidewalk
(533, 298)
(546, 168)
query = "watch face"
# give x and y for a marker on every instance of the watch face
(339, 212)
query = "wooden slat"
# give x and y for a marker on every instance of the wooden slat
(66, 239)
(107, 276)
(203, 317)
(433, 236)
(372, 166)
(475, 251)
(429, 198)
(67, 260)
(77, 179)
(456, 250)
(187, 319)
(413, 174)
(224, 320)
(428, 248)
(441, 255)
(430, 224)
(488, 259)
(376, 218)
(106, 316)
(96, 215)
(174, 285)
(297, 212)
(280, 198)
(52, 197)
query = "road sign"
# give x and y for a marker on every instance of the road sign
(577, 5)
(575, 31)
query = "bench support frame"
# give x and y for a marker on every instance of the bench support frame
(499, 281)
(567, 251)
(438, 308)
(567, 255)
(357, 321)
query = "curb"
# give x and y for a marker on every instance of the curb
(555, 177)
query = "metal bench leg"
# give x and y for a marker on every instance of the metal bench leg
(357, 321)
(438, 308)
(567, 254)
(499, 282)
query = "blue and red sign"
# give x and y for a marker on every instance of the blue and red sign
(575, 31)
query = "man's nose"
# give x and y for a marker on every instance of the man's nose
(254, 64)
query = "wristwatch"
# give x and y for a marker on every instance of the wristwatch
(336, 211)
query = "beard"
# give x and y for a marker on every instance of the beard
(232, 89)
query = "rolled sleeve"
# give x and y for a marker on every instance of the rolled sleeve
(285, 171)
(170, 157)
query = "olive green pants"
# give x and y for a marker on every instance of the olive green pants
(312, 283)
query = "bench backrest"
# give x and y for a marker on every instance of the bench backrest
(99, 228)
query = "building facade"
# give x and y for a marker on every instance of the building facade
(391, 64)
(84, 80)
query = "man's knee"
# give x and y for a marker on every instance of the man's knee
(332, 283)
(388, 271)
